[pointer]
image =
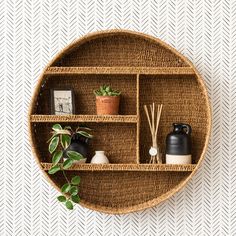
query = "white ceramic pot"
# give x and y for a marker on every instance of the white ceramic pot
(99, 158)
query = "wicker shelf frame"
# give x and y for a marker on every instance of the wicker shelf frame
(120, 70)
(84, 118)
(146, 70)
(126, 167)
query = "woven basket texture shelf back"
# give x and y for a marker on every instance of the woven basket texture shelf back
(146, 70)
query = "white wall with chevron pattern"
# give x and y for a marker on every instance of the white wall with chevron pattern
(33, 32)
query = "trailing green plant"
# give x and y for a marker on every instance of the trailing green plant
(58, 143)
(106, 90)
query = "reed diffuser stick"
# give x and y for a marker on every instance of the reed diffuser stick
(153, 125)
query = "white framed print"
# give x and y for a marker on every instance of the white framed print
(62, 102)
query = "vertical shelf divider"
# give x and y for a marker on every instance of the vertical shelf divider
(138, 120)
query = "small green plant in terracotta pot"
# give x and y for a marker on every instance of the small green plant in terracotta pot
(107, 100)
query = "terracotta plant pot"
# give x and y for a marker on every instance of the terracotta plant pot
(107, 105)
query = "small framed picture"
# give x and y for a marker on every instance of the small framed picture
(62, 102)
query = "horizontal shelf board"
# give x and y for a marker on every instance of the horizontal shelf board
(126, 167)
(85, 118)
(120, 70)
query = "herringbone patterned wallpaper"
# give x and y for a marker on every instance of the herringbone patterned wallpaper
(33, 32)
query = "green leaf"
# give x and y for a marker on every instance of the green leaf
(108, 89)
(61, 198)
(74, 155)
(96, 92)
(65, 140)
(53, 144)
(69, 205)
(63, 131)
(54, 169)
(74, 190)
(54, 134)
(66, 188)
(56, 127)
(85, 134)
(84, 127)
(75, 198)
(56, 157)
(68, 163)
(75, 180)
(68, 127)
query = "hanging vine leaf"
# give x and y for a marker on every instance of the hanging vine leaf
(57, 157)
(65, 140)
(64, 136)
(82, 127)
(63, 131)
(56, 127)
(53, 144)
(68, 127)
(61, 198)
(74, 155)
(74, 190)
(85, 134)
(66, 188)
(69, 205)
(75, 180)
(54, 169)
(68, 163)
(54, 135)
(75, 198)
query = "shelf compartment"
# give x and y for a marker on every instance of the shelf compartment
(185, 103)
(84, 86)
(126, 167)
(120, 50)
(85, 118)
(118, 140)
(119, 70)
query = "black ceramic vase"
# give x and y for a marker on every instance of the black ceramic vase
(78, 144)
(178, 145)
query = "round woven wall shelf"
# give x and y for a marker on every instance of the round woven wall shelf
(146, 70)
